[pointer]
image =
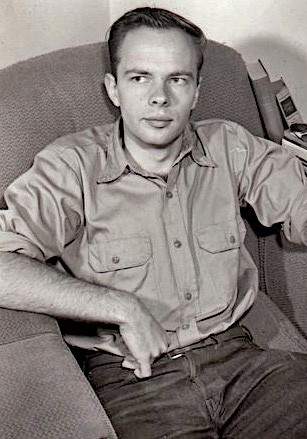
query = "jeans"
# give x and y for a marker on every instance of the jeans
(228, 389)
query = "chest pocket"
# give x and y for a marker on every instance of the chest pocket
(219, 255)
(220, 237)
(118, 254)
(124, 264)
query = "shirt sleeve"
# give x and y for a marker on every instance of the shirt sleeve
(273, 182)
(44, 208)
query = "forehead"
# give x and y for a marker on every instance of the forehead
(157, 48)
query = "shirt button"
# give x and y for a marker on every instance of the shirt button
(232, 239)
(177, 243)
(188, 296)
(115, 259)
(185, 326)
(169, 194)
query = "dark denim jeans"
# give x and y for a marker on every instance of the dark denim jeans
(232, 389)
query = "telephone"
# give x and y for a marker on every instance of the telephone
(300, 130)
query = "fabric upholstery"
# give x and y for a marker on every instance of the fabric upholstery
(18, 325)
(266, 318)
(225, 90)
(44, 98)
(44, 393)
(285, 275)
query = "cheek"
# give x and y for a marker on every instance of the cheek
(184, 98)
(185, 107)
(132, 101)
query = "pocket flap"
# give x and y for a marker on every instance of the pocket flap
(117, 254)
(219, 237)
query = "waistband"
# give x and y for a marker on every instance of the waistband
(234, 332)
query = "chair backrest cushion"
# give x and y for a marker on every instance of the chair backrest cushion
(49, 96)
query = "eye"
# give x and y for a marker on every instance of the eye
(178, 80)
(139, 79)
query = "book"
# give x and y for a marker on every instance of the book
(288, 135)
(299, 151)
(266, 101)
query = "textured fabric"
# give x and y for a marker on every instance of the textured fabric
(19, 325)
(284, 265)
(45, 395)
(271, 328)
(225, 91)
(80, 202)
(61, 92)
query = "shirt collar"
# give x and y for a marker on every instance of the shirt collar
(116, 157)
(193, 141)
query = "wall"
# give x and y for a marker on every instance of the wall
(273, 30)
(32, 27)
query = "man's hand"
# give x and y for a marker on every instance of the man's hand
(145, 339)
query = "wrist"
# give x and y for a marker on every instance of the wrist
(123, 306)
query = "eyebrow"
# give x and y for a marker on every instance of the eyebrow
(136, 71)
(145, 72)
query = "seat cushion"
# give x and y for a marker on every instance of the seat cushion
(44, 393)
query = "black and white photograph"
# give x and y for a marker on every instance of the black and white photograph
(153, 219)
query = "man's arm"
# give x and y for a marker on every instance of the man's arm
(29, 285)
(272, 181)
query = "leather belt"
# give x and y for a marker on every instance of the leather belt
(236, 331)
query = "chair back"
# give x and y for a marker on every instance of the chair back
(51, 95)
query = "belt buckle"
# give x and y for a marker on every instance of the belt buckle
(174, 356)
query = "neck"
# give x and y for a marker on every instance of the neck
(156, 160)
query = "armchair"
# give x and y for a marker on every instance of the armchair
(43, 391)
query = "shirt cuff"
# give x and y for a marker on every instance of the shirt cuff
(12, 242)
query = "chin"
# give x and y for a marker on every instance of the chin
(161, 140)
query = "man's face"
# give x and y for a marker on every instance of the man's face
(156, 86)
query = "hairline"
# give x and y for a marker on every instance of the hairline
(119, 54)
(156, 19)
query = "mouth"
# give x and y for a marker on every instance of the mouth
(158, 122)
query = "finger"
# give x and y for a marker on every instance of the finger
(168, 339)
(143, 371)
(129, 363)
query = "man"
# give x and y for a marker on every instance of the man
(144, 215)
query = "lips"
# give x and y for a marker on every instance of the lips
(158, 122)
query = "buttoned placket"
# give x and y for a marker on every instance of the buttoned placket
(182, 261)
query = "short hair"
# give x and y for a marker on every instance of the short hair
(154, 18)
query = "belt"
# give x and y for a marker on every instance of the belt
(234, 332)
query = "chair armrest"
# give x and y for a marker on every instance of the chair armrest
(43, 391)
(278, 319)
(285, 275)
(271, 328)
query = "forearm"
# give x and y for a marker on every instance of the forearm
(30, 285)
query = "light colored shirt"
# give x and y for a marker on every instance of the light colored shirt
(176, 243)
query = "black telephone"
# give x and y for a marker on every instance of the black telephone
(300, 130)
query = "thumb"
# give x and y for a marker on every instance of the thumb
(129, 362)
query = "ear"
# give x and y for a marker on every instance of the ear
(196, 93)
(111, 87)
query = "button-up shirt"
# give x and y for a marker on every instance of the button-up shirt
(177, 243)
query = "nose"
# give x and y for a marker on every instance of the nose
(159, 96)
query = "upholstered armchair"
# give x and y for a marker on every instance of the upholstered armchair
(43, 392)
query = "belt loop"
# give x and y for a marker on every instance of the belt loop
(214, 339)
(247, 332)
